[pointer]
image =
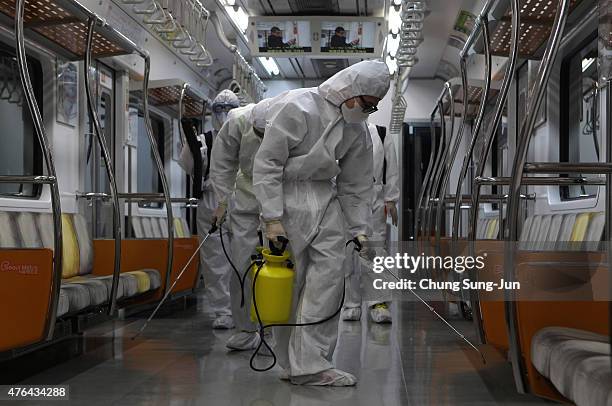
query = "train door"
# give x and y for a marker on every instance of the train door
(96, 180)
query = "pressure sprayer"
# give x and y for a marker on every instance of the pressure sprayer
(273, 276)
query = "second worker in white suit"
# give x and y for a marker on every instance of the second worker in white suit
(384, 204)
(231, 174)
(215, 268)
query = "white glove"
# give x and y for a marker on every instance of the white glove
(274, 229)
(219, 214)
(366, 252)
(391, 211)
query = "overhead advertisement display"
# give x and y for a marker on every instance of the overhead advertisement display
(348, 36)
(283, 36)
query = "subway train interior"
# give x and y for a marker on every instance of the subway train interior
(467, 140)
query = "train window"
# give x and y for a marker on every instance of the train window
(20, 152)
(579, 114)
(148, 179)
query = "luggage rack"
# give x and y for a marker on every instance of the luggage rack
(61, 25)
(536, 25)
(475, 90)
(174, 92)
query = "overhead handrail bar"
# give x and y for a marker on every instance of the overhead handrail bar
(142, 197)
(489, 198)
(108, 164)
(539, 181)
(593, 168)
(39, 179)
(536, 95)
(39, 127)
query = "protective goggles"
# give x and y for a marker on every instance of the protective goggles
(223, 107)
(366, 107)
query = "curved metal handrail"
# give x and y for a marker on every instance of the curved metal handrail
(160, 169)
(451, 154)
(108, 164)
(440, 169)
(182, 137)
(39, 127)
(432, 152)
(499, 108)
(422, 210)
(511, 227)
(478, 124)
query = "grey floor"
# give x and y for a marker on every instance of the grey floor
(180, 360)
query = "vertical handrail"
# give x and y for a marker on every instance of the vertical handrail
(426, 178)
(455, 150)
(498, 112)
(160, 168)
(608, 106)
(535, 99)
(39, 127)
(480, 167)
(484, 24)
(442, 141)
(108, 164)
(447, 145)
(180, 115)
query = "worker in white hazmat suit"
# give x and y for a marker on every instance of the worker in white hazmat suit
(215, 268)
(231, 174)
(318, 134)
(384, 204)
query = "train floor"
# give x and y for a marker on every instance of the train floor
(180, 360)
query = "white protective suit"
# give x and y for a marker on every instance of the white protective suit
(216, 269)
(307, 144)
(231, 174)
(386, 189)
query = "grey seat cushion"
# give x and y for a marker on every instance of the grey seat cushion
(545, 340)
(28, 231)
(97, 289)
(154, 277)
(64, 304)
(108, 282)
(8, 235)
(78, 296)
(130, 285)
(85, 244)
(565, 358)
(577, 362)
(592, 381)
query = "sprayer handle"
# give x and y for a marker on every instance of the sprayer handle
(279, 251)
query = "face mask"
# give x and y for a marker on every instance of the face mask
(355, 114)
(220, 118)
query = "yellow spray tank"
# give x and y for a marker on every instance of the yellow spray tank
(273, 290)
